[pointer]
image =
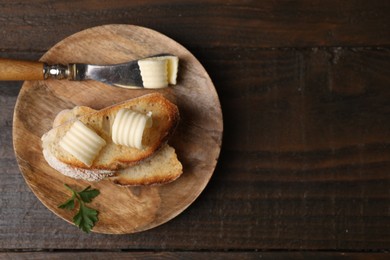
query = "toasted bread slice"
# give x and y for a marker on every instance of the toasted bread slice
(113, 157)
(162, 167)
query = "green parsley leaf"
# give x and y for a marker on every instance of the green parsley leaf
(69, 204)
(88, 195)
(86, 217)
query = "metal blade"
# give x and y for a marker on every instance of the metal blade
(125, 75)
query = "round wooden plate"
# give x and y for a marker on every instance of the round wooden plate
(197, 140)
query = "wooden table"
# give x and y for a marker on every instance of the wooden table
(304, 169)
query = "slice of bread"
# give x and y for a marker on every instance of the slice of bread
(162, 167)
(114, 157)
(129, 166)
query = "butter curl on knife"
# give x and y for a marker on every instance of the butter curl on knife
(157, 71)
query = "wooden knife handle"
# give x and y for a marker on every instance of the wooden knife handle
(21, 70)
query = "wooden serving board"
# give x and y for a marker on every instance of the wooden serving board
(197, 140)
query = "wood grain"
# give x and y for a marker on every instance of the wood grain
(304, 166)
(329, 191)
(197, 140)
(212, 23)
(196, 255)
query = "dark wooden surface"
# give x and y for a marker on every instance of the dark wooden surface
(305, 162)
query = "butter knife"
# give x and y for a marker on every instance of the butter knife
(157, 71)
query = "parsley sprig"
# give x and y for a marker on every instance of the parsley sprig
(86, 217)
